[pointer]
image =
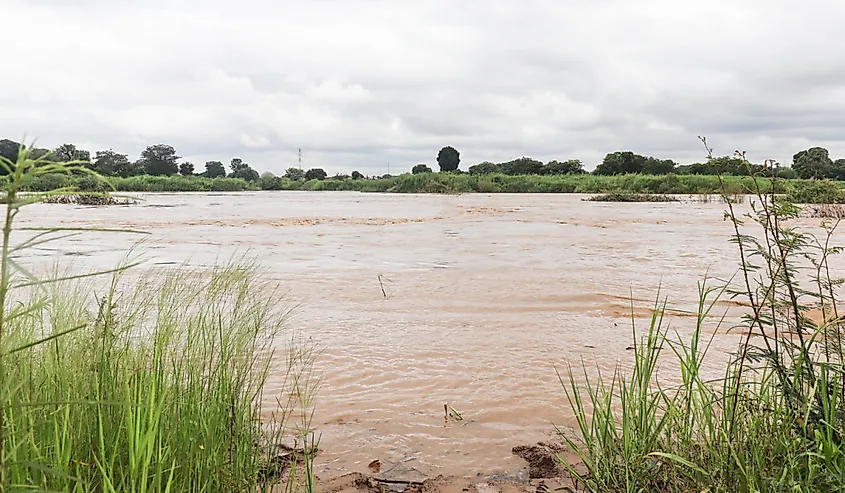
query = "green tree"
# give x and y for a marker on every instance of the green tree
(110, 163)
(420, 168)
(246, 173)
(237, 164)
(569, 167)
(9, 150)
(837, 170)
(269, 181)
(160, 159)
(69, 152)
(814, 162)
(654, 166)
(448, 159)
(315, 174)
(522, 166)
(214, 169)
(356, 175)
(294, 174)
(186, 169)
(619, 163)
(485, 168)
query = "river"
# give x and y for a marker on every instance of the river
(415, 301)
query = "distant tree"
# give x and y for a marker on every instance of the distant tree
(160, 159)
(356, 175)
(237, 164)
(69, 152)
(420, 168)
(214, 169)
(653, 166)
(9, 150)
(294, 174)
(522, 166)
(569, 167)
(246, 173)
(814, 162)
(837, 170)
(315, 174)
(186, 169)
(620, 162)
(269, 181)
(485, 168)
(448, 159)
(110, 163)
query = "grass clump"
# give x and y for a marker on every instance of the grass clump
(631, 197)
(775, 418)
(151, 384)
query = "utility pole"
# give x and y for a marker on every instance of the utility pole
(388, 167)
(300, 159)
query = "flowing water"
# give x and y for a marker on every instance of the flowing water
(416, 301)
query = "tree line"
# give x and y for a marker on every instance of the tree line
(162, 160)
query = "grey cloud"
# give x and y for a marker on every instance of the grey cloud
(356, 83)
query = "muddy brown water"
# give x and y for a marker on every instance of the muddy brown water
(484, 296)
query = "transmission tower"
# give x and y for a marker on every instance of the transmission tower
(299, 151)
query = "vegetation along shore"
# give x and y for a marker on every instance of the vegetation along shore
(813, 176)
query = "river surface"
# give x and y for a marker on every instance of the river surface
(416, 301)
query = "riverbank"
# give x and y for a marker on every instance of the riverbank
(804, 191)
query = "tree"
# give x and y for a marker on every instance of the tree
(448, 159)
(569, 167)
(356, 175)
(837, 170)
(653, 166)
(246, 173)
(160, 159)
(485, 168)
(9, 149)
(269, 181)
(315, 174)
(186, 169)
(294, 174)
(110, 163)
(619, 163)
(522, 166)
(815, 162)
(69, 152)
(420, 168)
(237, 164)
(214, 169)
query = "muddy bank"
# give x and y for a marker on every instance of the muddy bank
(545, 472)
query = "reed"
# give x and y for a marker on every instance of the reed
(773, 421)
(119, 381)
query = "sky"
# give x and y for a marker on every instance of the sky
(367, 84)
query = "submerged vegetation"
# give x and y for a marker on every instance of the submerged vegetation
(632, 197)
(150, 384)
(775, 418)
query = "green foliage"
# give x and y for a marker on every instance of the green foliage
(110, 163)
(186, 169)
(773, 421)
(356, 175)
(145, 183)
(160, 159)
(448, 159)
(817, 192)
(420, 168)
(294, 174)
(814, 162)
(632, 197)
(214, 169)
(150, 384)
(242, 170)
(626, 162)
(485, 168)
(269, 181)
(571, 166)
(315, 174)
(68, 152)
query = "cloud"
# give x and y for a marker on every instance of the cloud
(358, 83)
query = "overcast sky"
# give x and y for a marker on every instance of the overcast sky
(360, 83)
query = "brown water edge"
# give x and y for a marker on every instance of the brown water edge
(481, 299)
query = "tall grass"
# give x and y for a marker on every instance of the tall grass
(773, 421)
(151, 383)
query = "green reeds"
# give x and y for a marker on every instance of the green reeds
(118, 382)
(775, 418)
